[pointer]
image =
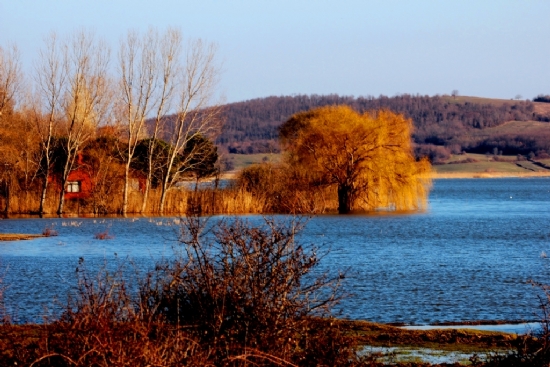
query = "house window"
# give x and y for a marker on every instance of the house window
(73, 186)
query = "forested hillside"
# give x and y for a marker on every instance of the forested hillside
(443, 124)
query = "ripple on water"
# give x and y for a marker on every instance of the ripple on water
(468, 257)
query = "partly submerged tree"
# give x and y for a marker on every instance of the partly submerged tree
(198, 159)
(201, 156)
(75, 94)
(148, 65)
(151, 168)
(367, 156)
(196, 114)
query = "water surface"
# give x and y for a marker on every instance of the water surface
(470, 256)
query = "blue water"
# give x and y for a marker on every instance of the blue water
(470, 256)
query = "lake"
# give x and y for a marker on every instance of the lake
(470, 256)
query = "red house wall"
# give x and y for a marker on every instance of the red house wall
(85, 184)
(81, 175)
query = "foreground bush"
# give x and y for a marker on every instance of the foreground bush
(531, 350)
(234, 295)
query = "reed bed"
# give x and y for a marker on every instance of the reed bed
(233, 200)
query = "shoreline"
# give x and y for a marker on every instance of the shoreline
(451, 175)
(231, 175)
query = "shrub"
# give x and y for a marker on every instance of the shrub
(531, 350)
(246, 287)
(281, 188)
(103, 235)
(49, 232)
(235, 295)
(435, 153)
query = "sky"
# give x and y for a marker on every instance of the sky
(489, 48)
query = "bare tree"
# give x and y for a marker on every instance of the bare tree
(11, 78)
(148, 67)
(195, 115)
(85, 97)
(51, 78)
(138, 78)
(19, 154)
(28, 146)
(170, 53)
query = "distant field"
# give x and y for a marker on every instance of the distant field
(484, 165)
(478, 100)
(540, 107)
(477, 157)
(241, 161)
(515, 127)
(480, 167)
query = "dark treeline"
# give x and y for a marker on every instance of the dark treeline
(542, 98)
(443, 125)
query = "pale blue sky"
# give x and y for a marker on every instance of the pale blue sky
(489, 48)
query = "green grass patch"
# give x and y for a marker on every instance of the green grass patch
(531, 166)
(486, 163)
(480, 167)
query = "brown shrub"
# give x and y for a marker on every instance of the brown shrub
(235, 295)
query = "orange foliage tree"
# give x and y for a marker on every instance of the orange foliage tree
(367, 156)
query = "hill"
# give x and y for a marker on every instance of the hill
(443, 124)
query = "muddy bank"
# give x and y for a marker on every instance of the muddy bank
(373, 334)
(19, 236)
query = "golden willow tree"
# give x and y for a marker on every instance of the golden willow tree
(368, 157)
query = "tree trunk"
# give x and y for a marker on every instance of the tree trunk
(125, 191)
(61, 197)
(66, 170)
(166, 183)
(162, 199)
(7, 207)
(150, 152)
(44, 192)
(345, 199)
(145, 195)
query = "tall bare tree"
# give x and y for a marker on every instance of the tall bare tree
(85, 99)
(11, 78)
(169, 59)
(50, 78)
(195, 115)
(148, 66)
(138, 78)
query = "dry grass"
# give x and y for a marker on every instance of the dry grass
(542, 108)
(18, 236)
(241, 161)
(479, 100)
(248, 296)
(532, 128)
